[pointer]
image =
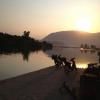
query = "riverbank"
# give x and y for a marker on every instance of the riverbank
(45, 84)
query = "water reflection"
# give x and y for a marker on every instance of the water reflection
(88, 51)
(17, 63)
(83, 57)
(13, 64)
(82, 65)
(25, 53)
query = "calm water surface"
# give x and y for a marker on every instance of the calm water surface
(12, 65)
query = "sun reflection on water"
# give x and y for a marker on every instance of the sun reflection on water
(82, 66)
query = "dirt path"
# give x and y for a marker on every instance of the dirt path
(45, 84)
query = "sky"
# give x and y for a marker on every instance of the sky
(42, 17)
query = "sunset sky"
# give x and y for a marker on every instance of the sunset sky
(42, 17)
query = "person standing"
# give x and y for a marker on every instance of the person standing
(73, 64)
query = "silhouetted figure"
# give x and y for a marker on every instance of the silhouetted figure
(56, 61)
(73, 64)
(54, 57)
(99, 56)
(66, 64)
(64, 61)
(60, 61)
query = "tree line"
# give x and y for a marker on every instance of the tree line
(86, 46)
(21, 43)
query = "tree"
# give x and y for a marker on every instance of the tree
(93, 47)
(86, 46)
(81, 46)
(26, 33)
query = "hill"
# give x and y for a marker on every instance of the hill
(73, 38)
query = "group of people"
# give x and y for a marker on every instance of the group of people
(61, 61)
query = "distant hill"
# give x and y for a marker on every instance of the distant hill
(73, 38)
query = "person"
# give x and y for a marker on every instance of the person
(56, 61)
(60, 61)
(66, 64)
(73, 64)
(54, 57)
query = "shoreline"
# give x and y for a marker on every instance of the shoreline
(26, 74)
(43, 84)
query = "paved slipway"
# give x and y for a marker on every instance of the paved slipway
(45, 84)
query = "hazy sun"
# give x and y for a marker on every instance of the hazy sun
(83, 24)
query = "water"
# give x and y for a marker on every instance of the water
(12, 65)
(15, 64)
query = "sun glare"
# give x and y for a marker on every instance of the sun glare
(83, 24)
(83, 66)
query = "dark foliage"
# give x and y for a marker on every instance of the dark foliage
(9, 43)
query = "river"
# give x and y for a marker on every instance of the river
(15, 64)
